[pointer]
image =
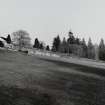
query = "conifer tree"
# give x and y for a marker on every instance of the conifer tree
(84, 48)
(56, 44)
(47, 48)
(90, 49)
(8, 39)
(71, 39)
(36, 43)
(102, 50)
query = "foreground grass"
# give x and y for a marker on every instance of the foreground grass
(18, 96)
(31, 80)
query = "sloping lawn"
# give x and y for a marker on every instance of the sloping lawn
(33, 80)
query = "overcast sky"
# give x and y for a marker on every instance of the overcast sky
(47, 18)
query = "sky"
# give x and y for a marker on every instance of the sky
(45, 19)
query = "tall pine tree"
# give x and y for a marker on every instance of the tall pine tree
(56, 44)
(8, 39)
(101, 50)
(36, 43)
(47, 48)
(64, 46)
(71, 39)
(90, 50)
(84, 48)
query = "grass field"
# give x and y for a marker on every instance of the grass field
(36, 80)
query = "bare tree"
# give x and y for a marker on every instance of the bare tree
(21, 39)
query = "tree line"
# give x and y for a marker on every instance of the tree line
(72, 46)
(78, 47)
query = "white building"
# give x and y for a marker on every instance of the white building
(5, 44)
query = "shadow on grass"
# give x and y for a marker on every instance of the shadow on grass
(17, 96)
(78, 67)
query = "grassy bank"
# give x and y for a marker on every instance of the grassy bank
(33, 80)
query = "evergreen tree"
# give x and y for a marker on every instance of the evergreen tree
(56, 44)
(84, 48)
(41, 46)
(71, 39)
(96, 52)
(8, 39)
(1, 44)
(36, 43)
(102, 50)
(64, 41)
(91, 50)
(77, 41)
(47, 48)
(64, 46)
